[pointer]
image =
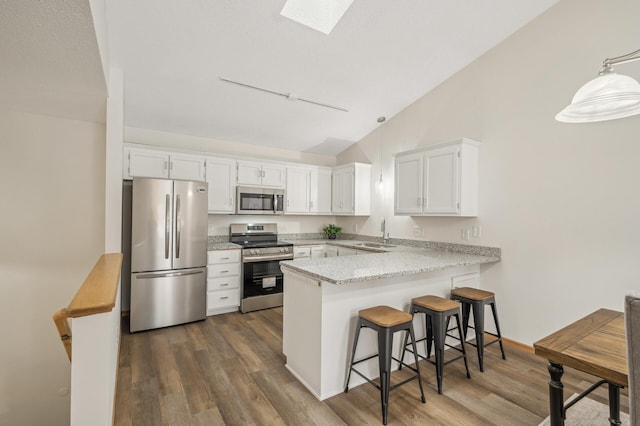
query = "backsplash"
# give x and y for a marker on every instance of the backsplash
(450, 247)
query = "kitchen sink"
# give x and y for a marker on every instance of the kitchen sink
(375, 245)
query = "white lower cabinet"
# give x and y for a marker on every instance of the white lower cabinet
(331, 251)
(309, 252)
(223, 281)
(344, 251)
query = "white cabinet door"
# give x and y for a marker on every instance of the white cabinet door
(146, 163)
(273, 175)
(258, 174)
(338, 191)
(320, 191)
(351, 190)
(221, 177)
(441, 181)
(331, 251)
(297, 190)
(317, 252)
(187, 167)
(249, 173)
(408, 184)
(344, 251)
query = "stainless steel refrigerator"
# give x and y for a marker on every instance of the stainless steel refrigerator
(168, 253)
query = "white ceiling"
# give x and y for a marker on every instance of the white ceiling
(382, 56)
(49, 59)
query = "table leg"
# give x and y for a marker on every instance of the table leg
(556, 397)
(614, 404)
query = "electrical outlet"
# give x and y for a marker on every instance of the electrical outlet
(477, 231)
(211, 229)
(464, 234)
(418, 231)
(355, 227)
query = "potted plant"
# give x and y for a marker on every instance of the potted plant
(331, 231)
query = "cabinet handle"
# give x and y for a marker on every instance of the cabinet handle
(224, 258)
(224, 297)
(224, 284)
(419, 202)
(224, 272)
(165, 164)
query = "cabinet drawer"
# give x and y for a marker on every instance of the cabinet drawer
(301, 252)
(223, 256)
(223, 270)
(223, 283)
(223, 299)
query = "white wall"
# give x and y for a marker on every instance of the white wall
(559, 199)
(159, 138)
(287, 224)
(52, 185)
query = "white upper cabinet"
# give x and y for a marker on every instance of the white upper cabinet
(261, 174)
(187, 167)
(351, 190)
(440, 180)
(320, 191)
(297, 190)
(145, 163)
(308, 190)
(221, 177)
(162, 164)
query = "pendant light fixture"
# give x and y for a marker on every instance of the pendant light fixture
(380, 181)
(607, 97)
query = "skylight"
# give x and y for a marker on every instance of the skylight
(321, 15)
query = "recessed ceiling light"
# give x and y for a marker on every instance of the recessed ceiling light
(321, 15)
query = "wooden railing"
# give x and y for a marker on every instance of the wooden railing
(96, 295)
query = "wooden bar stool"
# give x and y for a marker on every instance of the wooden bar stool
(438, 311)
(475, 299)
(385, 321)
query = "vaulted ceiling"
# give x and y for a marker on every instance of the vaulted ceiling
(382, 56)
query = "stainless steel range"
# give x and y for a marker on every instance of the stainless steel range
(262, 281)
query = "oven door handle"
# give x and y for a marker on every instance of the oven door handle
(252, 259)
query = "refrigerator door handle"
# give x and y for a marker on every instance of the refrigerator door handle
(169, 274)
(178, 220)
(167, 225)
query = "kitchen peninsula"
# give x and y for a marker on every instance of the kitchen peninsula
(322, 298)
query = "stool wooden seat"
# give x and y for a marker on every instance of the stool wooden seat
(384, 316)
(473, 299)
(438, 311)
(385, 321)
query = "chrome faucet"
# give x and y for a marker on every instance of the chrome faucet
(383, 228)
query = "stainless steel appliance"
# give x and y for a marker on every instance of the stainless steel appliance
(168, 253)
(253, 200)
(262, 279)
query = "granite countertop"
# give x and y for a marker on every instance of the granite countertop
(223, 246)
(393, 262)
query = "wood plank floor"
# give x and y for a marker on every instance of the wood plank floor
(229, 370)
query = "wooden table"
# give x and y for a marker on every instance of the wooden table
(595, 344)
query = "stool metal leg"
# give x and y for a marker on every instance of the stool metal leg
(353, 354)
(428, 325)
(464, 351)
(439, 332)
(478, 323)
(466, 307)
(415, 356)
(385, 343)
(495, 320)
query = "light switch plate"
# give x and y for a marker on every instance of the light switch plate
(477, 231)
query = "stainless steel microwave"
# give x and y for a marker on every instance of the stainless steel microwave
(253, 200)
